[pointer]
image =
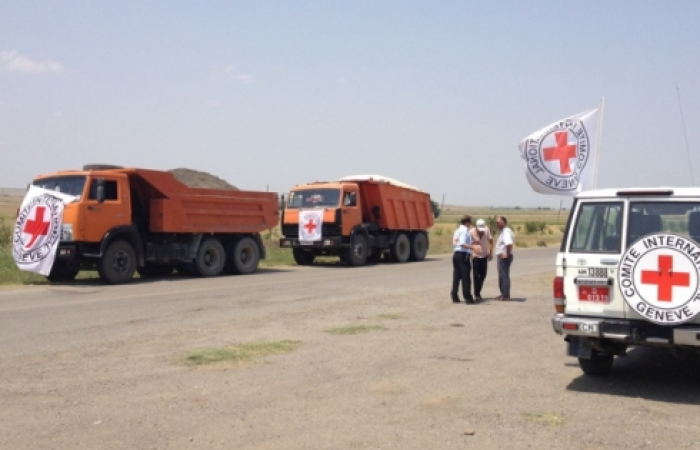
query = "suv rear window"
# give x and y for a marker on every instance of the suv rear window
(598, 228)
(681, 218)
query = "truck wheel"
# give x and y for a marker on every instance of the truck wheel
(357, 256)
(597, 365)
(401, 249)
(62, 273)
(118, 263)
(303, 257)
(419, 246)
(150, 270)
(211, 258)
(245, 256)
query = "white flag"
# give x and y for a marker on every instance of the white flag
(560, 158)
(310, 225)
(38, 229)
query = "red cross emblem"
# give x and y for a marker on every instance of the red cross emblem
(665, 278)
(37, 227)
(310, 226)
(562, 152)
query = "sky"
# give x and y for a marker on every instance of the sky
(270, 94)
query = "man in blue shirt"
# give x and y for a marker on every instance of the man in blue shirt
(461, 261)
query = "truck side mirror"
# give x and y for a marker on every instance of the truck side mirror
(100, 190)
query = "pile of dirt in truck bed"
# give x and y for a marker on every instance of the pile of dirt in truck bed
(196, 179)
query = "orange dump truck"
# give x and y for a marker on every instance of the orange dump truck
(128, 220)
(357, 218)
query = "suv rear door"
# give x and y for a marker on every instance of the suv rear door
(590, 256)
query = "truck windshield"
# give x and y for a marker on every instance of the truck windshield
(71, 185)
(313, 198)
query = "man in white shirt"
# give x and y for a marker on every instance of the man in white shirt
(461, 261)
(504, 256)
(480, 259)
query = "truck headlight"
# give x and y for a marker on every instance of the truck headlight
(67, 232)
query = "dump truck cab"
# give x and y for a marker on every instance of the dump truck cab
(339, 202)
(102, 208)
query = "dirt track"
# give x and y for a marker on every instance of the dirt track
(89, 366)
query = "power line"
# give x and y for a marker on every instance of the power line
(685, 133)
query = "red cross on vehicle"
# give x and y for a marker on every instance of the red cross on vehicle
(665, 278)
(310, 226)
(563, 152)
(37, 227)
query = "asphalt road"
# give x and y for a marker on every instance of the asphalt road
(92, 366)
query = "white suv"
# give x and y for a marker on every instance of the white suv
(628, 274)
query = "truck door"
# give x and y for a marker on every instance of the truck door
(101, 216)
(590, 260)
(351, 210)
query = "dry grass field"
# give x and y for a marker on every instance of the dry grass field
(532, 227)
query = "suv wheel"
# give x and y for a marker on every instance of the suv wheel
(597, 365)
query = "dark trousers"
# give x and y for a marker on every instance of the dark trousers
(462, 267)
(504, 275)
(479, 266)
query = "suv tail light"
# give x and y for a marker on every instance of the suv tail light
(558, 288)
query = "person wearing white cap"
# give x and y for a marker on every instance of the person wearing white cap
(481, 259)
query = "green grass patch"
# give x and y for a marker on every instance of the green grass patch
(353, 329)
(389, 316)
(239, 353)
(545, 419)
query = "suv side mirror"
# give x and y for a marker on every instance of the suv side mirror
(100, 190)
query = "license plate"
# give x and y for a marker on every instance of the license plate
(306, 242)
(601, 272)
(594, 294)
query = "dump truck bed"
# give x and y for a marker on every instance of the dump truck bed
(400, 207)
(173, 207)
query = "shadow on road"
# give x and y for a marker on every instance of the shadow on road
(649, 373)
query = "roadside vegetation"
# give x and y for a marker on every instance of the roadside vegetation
(532, 228)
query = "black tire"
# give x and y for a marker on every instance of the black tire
(303, 257)
(357, 254)
(211, 258)
(597, 365)
(150, 270)
(244, 256)
(118, 263)
(62, 273)
(400, 250)
(419, 246)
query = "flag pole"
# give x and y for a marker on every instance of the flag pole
(597, 145)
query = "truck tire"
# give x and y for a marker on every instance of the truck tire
(60, 272)
(400, 250)
(357, 253)
(150, 270)
(211, 258)
(118, 263)
(244, 256)
(597, 365)
(303, 257)
(419, 246)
